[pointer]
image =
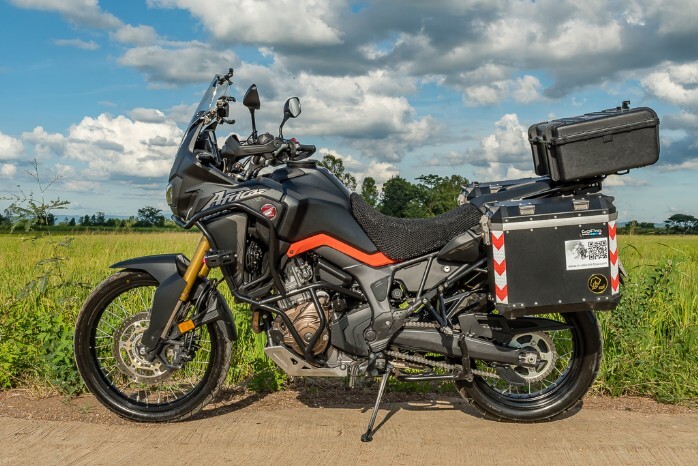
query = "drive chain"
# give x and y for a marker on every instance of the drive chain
(427, 325)
(437, 364)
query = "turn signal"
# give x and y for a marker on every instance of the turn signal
(185, 326)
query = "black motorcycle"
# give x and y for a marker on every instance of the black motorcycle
(496, 295)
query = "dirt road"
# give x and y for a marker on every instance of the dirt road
(288, 429)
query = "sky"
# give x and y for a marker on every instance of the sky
(98, 92)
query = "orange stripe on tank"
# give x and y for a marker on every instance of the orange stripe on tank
(377, 259)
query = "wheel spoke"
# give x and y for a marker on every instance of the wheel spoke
(119, 329)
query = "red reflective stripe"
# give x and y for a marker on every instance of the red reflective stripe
(500, 267)
(498, 242)
(377, 259)
(501, 292)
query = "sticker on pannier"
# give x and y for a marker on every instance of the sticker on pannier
(586, 253)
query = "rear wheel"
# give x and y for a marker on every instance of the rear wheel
(570, 360)
(107, 337)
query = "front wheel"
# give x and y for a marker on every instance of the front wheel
(107, 337)
(570, 360)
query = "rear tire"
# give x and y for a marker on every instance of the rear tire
(555, 394)
(108, 328)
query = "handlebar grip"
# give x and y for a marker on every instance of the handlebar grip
(307, 148)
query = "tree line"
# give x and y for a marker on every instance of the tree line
(428, 196)
(148, 217)
(431, 195)
(677, 224)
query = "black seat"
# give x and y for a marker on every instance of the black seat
(405, 238)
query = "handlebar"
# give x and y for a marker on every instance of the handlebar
(309, 148)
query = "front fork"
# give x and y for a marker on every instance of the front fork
(197, 268)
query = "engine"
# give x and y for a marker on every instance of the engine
(301, 309)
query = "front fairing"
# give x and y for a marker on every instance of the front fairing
(187, 172)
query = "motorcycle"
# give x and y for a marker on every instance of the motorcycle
(497, 295)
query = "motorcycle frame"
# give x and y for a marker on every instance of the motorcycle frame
(163, 319)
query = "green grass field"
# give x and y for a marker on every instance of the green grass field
(651, 340)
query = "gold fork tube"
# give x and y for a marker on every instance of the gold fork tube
(196, 268)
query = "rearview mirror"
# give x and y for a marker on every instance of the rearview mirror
(292, 108)
(251, 99)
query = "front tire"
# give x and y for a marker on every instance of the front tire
(107, 333)
(578, 358)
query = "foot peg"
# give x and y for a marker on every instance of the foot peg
(467, 372)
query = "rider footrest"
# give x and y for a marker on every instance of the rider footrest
(467, 372)
(218, 258)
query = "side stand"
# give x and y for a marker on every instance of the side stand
(368, 436)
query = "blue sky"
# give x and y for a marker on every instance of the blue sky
(98, 92)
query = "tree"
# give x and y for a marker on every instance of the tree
(85, 221)
(682, 223)
(98, 219)
(439, 194)
(72, 222)
(369, 191)
(150, 216)
(336, 166)
(46, 219)
(29, 210)
(400, 198)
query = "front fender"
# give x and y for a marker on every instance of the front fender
(168, 270)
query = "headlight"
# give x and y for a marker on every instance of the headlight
(168, 195)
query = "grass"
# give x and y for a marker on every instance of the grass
(651, 340)
(44, 282)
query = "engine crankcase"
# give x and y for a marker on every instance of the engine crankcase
(306, 322)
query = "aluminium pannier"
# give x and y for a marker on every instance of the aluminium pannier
(553, 255)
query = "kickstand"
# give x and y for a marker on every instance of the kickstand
(368, 436)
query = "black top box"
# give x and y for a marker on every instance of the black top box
(595, 144)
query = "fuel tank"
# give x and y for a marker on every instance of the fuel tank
(317, 203)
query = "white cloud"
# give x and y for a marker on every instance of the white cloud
(118, 146)
(613, 181)
(45, 143)
(304, 22)
(8, 170)
(82, 186)
(379, 171)
(450, 159)
(504, 154)
(524, 90)
(135, 35)
(182, 113)
(178, 63)
(10, 148)
(83, 12)
(148, 115)
(78, 43)
(690, 164)
(675, 83)
(361, 110)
